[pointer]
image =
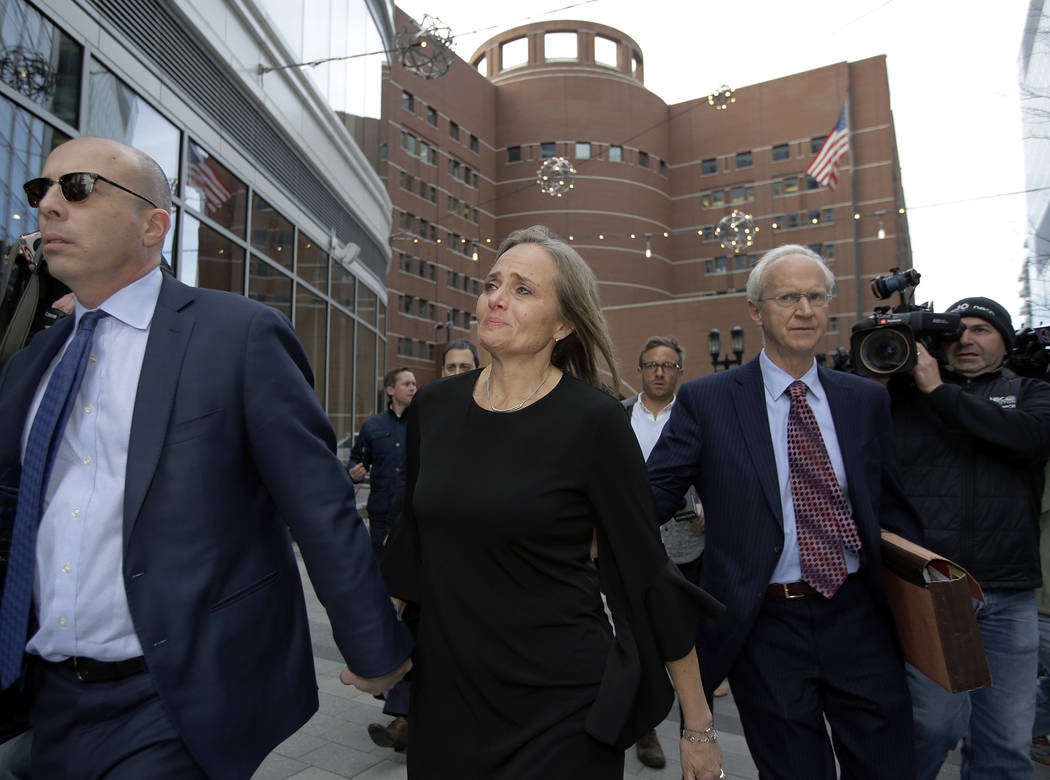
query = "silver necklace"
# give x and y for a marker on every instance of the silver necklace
(488, 392)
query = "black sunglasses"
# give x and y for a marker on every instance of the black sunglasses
(75, 187)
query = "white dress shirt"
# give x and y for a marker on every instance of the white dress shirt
(78, 585)
(778, 406)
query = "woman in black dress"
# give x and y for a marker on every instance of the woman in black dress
(512, 470)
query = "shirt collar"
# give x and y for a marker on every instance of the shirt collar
(665, 410)
(133, 304)
(777, 380)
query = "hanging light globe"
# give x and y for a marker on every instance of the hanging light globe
(721, 98)
(426, 50)
(556, 176)
(736, 231)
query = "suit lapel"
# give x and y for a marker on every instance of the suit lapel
(18, 391)
(841, 402)
(169, 336)
(750, 403)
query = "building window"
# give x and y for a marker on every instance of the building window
(833, 324)
(790, 184)
(827, 216)
(718, 198)
(663, 168)
(473, 143)
(514, 53)
(791, 220)
(616, 154)
(559, 46)
(738, 194)
(816, 143)
(811, 183)
(432, 116)
(408, 102)
(708, 166)
(548, 149)
(743, 159)
(739, 262)
(829, 251)
(781, 152)
(813, 216)
(453, 131)
(643, 159)
(408, 143)
(605, 50)
(513, 154)
(583, 150)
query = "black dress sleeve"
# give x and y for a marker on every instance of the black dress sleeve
(655, 609)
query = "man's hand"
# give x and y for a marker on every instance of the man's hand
(697, 523)
(65, 304)
(375, 685)
(926, 372)
(358, 472)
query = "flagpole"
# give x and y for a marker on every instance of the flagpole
(859, 287)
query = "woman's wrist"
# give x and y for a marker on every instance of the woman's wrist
(700, 736)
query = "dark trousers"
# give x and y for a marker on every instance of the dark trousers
(116, 730)
(813, 658)
(377, 530)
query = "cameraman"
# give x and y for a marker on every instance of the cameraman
(973, 438)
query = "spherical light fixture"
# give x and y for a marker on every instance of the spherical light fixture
(426, 50)
(556, 176)
(736, 231)
(721, 98)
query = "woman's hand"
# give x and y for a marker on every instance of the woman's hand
(375, 685)
(701, 761)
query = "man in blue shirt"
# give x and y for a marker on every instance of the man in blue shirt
(797, 471)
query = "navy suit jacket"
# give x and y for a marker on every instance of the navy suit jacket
(718, 439)
(227, 441)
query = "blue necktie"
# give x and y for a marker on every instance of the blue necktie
(41, 447)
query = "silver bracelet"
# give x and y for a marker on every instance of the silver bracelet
(700, 737)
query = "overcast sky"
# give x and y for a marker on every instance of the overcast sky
(953, 90)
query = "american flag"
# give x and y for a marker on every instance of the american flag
(203, 175)
(825, 166)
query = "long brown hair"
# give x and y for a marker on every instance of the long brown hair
(577, 290)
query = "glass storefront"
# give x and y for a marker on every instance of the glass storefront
(225, 235)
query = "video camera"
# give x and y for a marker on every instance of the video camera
(1031, 353)
(885, 343)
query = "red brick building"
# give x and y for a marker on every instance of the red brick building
(463, 152)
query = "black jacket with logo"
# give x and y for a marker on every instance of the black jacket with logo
(972, 454)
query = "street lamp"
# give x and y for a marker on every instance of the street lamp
(714, 347)
(448, 328)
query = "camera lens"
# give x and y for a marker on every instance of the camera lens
(885, 351)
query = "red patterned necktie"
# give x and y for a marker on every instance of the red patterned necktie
(823, 521)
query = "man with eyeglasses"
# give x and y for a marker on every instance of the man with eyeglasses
(973, 439)
(797, 472)
(660, 368)
(157, 446)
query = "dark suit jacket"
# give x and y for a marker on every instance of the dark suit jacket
(227, 440)
(718, 439)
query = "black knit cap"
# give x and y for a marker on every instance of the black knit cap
(989, 311)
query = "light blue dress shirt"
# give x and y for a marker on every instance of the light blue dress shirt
(78, 586)
(778, 406)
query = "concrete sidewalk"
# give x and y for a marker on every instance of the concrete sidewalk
(334, 744)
